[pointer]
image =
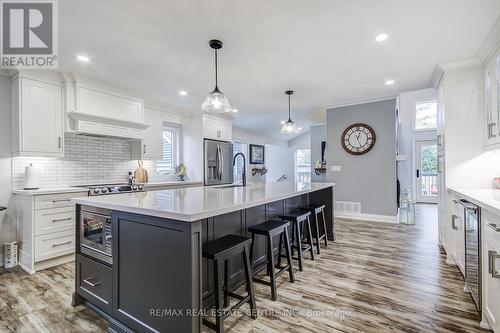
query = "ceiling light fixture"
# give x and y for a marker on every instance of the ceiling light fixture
(381, 37)
(235, 110)
(83, 58)
(389, 82)
(183, 93)
(216, 101)
(289, 127)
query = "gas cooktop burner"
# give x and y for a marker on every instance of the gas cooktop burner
(100, 189)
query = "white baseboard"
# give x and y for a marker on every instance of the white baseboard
(367, 217)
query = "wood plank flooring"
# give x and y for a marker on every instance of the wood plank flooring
(376, 277)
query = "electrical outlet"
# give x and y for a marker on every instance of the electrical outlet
(336, 168)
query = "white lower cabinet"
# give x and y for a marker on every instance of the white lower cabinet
(491, 270)
(456, 234)
(46, 228)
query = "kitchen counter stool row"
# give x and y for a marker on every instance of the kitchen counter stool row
(221, 250)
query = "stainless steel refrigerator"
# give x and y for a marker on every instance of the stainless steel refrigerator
(218, 165)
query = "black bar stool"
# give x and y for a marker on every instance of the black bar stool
(300, 219)
(271, 229)
(220, 251)
(317, 210)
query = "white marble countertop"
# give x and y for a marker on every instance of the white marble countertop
(486, 198)
(195, 203)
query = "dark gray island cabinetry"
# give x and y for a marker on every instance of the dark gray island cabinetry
(138, 258)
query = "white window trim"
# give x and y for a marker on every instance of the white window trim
(414, 117)
(177, 143)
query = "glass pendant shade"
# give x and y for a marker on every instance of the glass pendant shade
(290, 127)
(216, 102)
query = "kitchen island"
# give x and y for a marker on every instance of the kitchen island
(153, 277)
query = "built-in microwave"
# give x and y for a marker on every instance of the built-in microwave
(95, 233)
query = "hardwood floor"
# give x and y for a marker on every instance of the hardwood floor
(376, 277)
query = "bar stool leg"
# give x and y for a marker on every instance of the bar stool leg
(279, 249)
(309, 238)
(219, 320)
(249, 282)
(324, 226)
(270, 259)
(226, 283)
(316, 219)
(293, 237)
(299, 245)
(288, 256)
(251, 248)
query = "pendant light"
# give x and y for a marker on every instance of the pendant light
(289, 127)
(216, 101)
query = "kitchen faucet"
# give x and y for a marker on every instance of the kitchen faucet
(244, 175)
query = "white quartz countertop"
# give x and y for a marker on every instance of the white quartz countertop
(49, 190)
(485, 198)
(195, 203)
(174, 183)
(73, 189)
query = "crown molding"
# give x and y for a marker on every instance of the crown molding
(490, 45)
(359, 101)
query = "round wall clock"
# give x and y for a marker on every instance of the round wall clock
(358, 139)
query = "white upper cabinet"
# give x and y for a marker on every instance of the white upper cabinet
(217, 128)
(37, 118)
(492, 101)
(150, 147)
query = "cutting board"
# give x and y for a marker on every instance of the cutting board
(141, 174)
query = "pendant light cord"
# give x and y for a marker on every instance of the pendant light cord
(216, 87)
(289, 116)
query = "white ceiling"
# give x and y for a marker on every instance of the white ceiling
(322, 49)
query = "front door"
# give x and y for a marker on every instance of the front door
(426, 171)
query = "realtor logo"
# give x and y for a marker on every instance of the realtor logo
(29, 34)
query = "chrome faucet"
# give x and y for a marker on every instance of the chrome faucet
(244, 175)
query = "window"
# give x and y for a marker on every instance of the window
(426, 115)
(303, 165)
(170, 149)
(239, 147)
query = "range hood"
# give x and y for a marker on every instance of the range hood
(92, 125)
(95, 108)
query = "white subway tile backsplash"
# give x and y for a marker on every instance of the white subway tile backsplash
(87, 160)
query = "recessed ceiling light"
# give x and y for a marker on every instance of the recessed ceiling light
(389, 82)
(83, 58)
(381, 37)
(183, 93)
(235, 110)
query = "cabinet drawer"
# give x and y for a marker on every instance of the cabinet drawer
(54, 219)
(94, 281)
(56, 200)
(54, 245)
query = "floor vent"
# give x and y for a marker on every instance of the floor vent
(348, 207)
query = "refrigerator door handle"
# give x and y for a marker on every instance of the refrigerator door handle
(221, 164)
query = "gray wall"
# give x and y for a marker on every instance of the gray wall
(318, 134)
(370, 178)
